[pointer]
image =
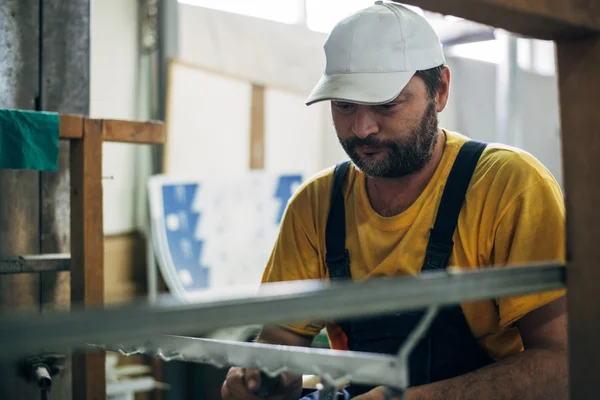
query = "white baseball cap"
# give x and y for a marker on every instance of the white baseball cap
(372, 54)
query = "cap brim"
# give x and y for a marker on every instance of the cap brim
(361, 88)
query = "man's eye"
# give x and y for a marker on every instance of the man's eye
(344, 107)
(387, 106)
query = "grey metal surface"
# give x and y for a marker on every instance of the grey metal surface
(34, 208)
(65, 80)
(19, 203)
(18, 50)
(273, 303)
(35, 264)
(66, 56)
(66, 89)
(333, 366)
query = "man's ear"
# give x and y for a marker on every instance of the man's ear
(443, 92)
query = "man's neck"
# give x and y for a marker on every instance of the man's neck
(391, 196)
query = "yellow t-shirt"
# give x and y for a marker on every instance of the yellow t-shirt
(513, 214)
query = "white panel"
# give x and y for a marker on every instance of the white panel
(113, 74)
(473, 91)
(208, 123)
(448, 117)
(273, 10)
(266, 52)
(538, 107)
(293, 133)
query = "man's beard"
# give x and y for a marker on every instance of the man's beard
(404, 156)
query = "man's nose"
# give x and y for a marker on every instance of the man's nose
(365, 122)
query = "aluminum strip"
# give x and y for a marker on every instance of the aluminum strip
(333, 366)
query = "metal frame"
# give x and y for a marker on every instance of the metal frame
(575, 27)
(335, 367)
(85, 262)
(273, 303)
(36, 263)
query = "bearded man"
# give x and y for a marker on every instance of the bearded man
(416, 198)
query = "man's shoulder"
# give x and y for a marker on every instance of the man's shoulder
(500, 163)
(506, 171)
(512, 165)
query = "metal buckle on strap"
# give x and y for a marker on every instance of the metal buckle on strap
(438, 255)
(339, 265)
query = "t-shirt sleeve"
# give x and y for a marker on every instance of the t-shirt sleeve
(295, 256)
(531, 230)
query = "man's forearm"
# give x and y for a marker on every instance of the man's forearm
(274, 334)
(531, 375)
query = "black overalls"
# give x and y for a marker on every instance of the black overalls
(449, 348)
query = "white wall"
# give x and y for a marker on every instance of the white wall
(291, 56)
(258, 50)
(113, 88)
(537, 122)
(288, 58)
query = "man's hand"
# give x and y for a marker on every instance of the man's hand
(375, 394)
(244, 384)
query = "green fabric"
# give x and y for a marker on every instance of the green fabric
(29, 140)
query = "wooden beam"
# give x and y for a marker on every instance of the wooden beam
(579, 98)
(133, 131)
(71, 126)
(87, 250)
(257, 127)
(150, 132)
(542, 19)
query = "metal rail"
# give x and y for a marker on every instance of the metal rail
(35, 263)
(272, 303)
(333, 366)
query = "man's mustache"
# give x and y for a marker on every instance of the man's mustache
(369, 141)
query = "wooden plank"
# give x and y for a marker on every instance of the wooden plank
(542, 19)
(87, 250)
(257, 127)
(150, 132)
(71, 126)
(578, 82)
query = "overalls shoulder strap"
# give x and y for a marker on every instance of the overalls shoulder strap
(337, 257)
(440, 243)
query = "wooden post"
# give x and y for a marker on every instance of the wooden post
(579, 98)
(87, 250)
(257, 128)
(540, 19)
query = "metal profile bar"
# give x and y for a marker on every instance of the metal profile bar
(334, 366)
(36, 263)
(273, 303)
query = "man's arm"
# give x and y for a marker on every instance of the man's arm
(539, 372)
(276, 334)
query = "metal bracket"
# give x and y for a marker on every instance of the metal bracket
(35, 263)
(40, 369)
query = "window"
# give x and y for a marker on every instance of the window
(288, 11)
(322, 15)
(487, 51)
